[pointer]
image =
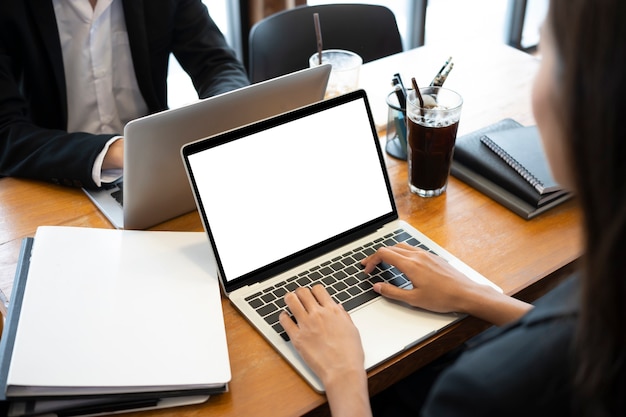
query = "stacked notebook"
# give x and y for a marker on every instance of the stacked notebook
(506, 161)
(108, 320)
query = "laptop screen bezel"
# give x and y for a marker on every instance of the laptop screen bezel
(311, 252)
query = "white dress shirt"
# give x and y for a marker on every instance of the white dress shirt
(102, 90)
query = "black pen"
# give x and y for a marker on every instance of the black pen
(400, 93)
(399, 78)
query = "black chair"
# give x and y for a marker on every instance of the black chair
(283, 42)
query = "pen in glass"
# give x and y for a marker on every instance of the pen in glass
(397, 77)
(442, 75)
(401, 95)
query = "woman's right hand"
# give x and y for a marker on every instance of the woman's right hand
(439, 287)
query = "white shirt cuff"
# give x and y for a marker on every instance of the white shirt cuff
(109, 175)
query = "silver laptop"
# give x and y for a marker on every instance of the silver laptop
(154, 187)
(301, 198)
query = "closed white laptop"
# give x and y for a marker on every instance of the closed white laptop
(300, 199)
(154, 187)
(144, 329)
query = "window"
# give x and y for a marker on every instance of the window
(466, 21)
(536, 11)
(477, 21)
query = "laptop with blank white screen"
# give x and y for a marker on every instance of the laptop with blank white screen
(155, 187)
(300, 199)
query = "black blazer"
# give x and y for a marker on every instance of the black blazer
(523, 369)
(33, 103)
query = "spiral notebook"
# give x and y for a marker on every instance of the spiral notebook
(477, 165)
(521, 148)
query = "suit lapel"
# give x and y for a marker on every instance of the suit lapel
(43, 14)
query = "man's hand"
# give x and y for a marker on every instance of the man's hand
(114, 158)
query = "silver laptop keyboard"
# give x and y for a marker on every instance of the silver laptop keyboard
(118, 193)
(343, 278)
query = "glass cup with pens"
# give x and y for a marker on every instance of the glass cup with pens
(396, 123)
(396, 144)
(432, 117)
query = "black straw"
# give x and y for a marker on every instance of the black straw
(318, 35)
(417, 91)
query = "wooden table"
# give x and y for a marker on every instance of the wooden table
(523, 257)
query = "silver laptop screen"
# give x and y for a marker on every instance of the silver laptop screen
(278, 191)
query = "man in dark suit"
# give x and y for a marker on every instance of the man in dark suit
(34, 138)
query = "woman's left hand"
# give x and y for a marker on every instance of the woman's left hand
(323, 333)
(329, 343)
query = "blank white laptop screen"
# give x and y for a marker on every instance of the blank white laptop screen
(283, 198)
(291, 186)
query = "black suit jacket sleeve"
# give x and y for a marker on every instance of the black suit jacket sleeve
(34, 142)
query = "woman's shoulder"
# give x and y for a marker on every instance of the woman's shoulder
(521, 369)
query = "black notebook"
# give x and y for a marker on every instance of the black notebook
(477, 165)
(521, 148)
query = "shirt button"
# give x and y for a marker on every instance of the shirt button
(99, 72)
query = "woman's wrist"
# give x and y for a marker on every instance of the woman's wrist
(347, 393)
(488, 304)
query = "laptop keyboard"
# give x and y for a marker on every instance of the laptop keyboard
(118, 194)
(343, 278)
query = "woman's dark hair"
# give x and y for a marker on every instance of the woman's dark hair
(590, 43)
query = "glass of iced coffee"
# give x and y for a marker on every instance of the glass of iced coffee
(432, 123)
(344, 75)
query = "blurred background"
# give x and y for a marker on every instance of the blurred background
(476, 22)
